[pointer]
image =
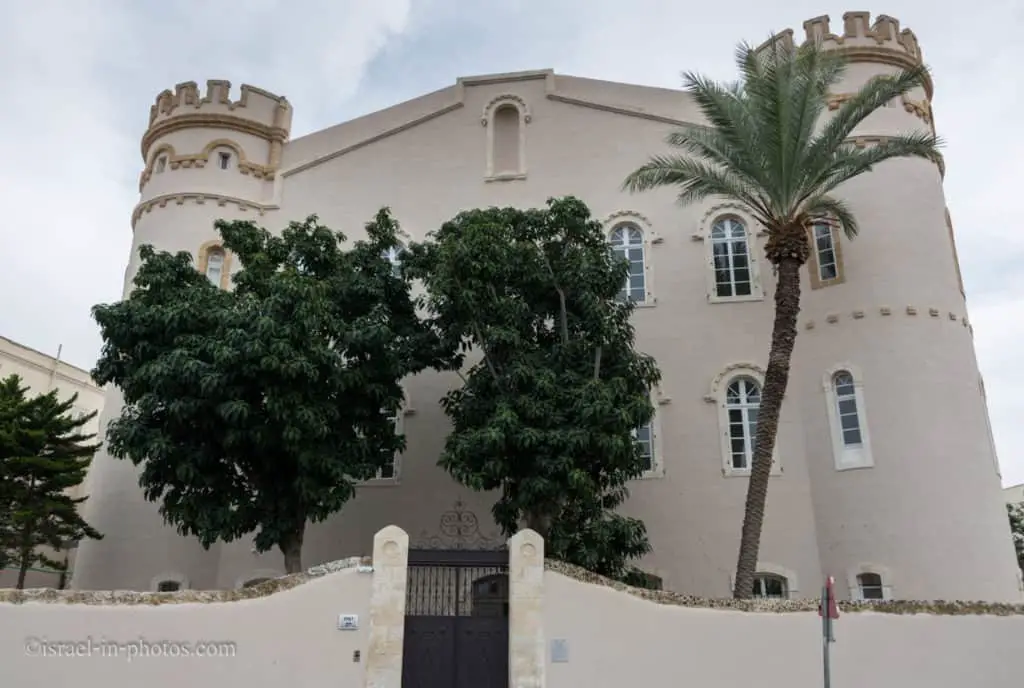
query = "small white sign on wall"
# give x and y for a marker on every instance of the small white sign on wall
(348, 622)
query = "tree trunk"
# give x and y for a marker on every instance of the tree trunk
(776, 379)
(291, 547)
(23, 566)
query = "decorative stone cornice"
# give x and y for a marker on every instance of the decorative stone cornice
(127, 597)
(510, 98)
(728, 372)
(666, 597)
(873, 140)
(209, 120)
(887, 311)
(726, 208)
(922, 109)
(199, 199)
(199, 160)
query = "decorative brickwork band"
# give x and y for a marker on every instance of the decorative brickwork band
(526, 610)
(387, 609)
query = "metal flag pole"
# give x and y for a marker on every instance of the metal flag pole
(828, 610)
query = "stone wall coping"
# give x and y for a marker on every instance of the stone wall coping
(667, 597)
(133, 597)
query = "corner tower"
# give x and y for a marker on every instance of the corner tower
(902, 465)
(205, 157)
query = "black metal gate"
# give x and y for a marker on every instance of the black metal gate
(456, 619)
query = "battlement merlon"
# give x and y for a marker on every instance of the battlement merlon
(260, 112)
(862, 40)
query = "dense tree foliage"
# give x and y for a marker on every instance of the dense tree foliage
(260, 408)
(555, 389)
(44, 453)
(768, 146)
(1016, 514)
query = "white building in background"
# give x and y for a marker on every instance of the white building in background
(885, 475)
(1014, 494)
(42, 373)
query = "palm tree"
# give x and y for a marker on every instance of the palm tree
(766, 147)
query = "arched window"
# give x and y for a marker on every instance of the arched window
(168, 586)
(771, 586)
(846, 407)
(224, 160)
(742, 402)
(627, 242)
(394, 256)
(506, 140)
(505, 118)
(870, 587)
(215, 266)
(730, 256)
(851, 447)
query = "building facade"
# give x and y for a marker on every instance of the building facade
(885, 474)
(42, 374)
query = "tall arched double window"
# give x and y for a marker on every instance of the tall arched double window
(742, 403)
(730, 256)
(627, 241)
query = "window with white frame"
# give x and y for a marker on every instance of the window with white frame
(730, 257)
(394, 256)
(870, 586)
(215, 266)
(627, 241)
(742, 402)
(771, 586)
(827, 262)
(847, 420)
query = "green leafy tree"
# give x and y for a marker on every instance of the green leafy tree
(260, 409)
(1016, 514)
(548, 408)
(44, 453)
(768, 146)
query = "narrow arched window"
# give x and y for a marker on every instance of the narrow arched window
(394, 256)
(628, 242)
(215, 266)
(846, 408)
(506, 140)
(742, 402)
(730, 255)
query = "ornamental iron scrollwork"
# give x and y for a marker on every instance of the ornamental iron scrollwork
(459, 529)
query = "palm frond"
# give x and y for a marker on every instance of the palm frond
(850, 161)
(831, 210)
(696, 180)
(876, 93)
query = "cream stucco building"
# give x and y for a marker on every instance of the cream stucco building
(885, 475)
(42, 373)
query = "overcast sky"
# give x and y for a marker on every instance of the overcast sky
(78, 78)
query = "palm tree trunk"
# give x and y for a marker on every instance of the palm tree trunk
(776, 379)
